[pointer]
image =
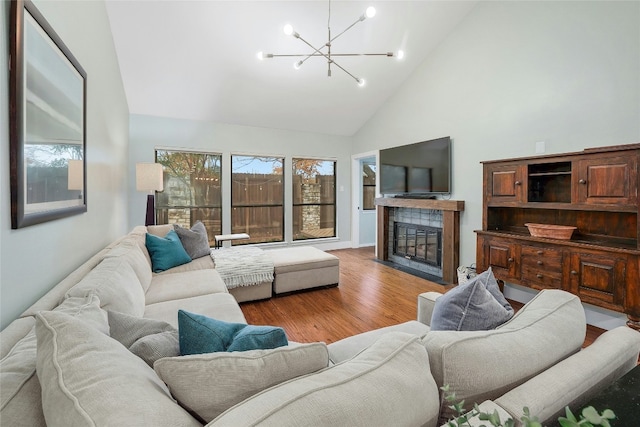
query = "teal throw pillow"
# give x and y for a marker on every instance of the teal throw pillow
(166, 252)
(477, 305)
(200, 334)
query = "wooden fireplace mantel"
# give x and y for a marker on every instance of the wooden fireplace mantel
(450, 229)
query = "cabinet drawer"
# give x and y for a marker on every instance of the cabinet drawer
(539, 278)
(549, 260)
(541, 267)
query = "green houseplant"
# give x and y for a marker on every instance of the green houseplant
(589, 416)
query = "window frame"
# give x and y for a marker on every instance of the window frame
(364, 185)
(158, 207)
(334, 203)
(232, 206)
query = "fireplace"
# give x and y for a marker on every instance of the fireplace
(439, 260)
(418, 243)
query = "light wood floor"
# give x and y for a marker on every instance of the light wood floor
(371, 295)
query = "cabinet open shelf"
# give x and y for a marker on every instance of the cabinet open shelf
(549, 174)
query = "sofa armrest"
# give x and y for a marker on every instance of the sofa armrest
(576, 379)
(426, 302)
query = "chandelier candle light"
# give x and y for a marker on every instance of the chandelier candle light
(328, 55)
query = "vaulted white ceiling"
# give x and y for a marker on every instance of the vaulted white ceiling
(197, 59)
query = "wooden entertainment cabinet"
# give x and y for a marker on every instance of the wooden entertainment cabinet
(595, 190)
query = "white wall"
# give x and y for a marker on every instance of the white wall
(511, 74)
(148, 133)
(35, 258)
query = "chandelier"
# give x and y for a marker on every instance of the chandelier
(324, 51)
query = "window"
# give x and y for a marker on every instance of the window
(257, 198)
(314, 199)
(192, 190)
(368, 186)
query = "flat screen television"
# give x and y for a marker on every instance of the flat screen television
(414, 170)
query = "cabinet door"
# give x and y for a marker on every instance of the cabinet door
(499, 254)
(599, 279)
(505, 183)
(607, 181)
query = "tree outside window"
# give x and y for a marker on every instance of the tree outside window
(314, 198)
(192, 190)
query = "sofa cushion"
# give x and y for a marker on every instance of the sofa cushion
(115, 282)
(482, 365)
(148, 339)
(208, 384)
(475, 306)
(205, 262)
(20, 395)
(388, 384)
(158, 230)
(201, 334)
(286, 260)
(348, 347)
(166, 287)
(195, 241)
(130, 250)
(166, 252)
(86, 378)
(222, 306)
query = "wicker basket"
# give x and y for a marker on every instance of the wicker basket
(551, 231)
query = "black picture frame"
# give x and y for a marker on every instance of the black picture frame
(47, 122)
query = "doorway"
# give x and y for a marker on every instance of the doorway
(364, 185)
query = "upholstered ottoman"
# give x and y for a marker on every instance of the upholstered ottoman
(303, 267)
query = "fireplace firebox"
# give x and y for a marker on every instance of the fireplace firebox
(419, 243)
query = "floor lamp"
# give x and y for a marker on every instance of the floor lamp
(149, 178)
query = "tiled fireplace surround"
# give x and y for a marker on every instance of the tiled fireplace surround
(419, 217)
(444, 214)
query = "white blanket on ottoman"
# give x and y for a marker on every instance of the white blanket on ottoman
(242, 266)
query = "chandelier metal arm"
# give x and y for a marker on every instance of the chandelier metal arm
(347, 29)
(352, 76)
(317, 52)
(274, 55)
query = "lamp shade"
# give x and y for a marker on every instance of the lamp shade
(75, 175)
(149, 177)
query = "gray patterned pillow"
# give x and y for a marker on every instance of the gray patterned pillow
(475, 306)
(195, 241)
(148, 339)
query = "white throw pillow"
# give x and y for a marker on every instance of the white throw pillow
(20, 400)
(208, 384)
(89, 379)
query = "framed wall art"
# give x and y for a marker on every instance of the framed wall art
(47, 122)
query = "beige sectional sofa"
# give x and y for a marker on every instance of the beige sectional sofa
(59, 363)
